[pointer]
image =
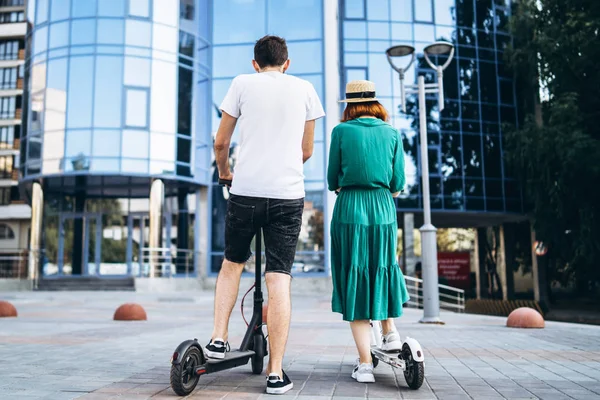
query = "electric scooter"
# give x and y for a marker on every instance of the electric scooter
(409, 359)
(189, 361)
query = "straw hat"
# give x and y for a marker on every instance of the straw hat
(359, 92)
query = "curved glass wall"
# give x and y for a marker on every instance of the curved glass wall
(236, 27)
(118, 87)
(465, 140)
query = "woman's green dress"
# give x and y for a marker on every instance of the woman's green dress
(366, 161)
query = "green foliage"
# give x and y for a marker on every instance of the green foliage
(556, 149)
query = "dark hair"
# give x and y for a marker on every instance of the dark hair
(357, 110)
(270, 51)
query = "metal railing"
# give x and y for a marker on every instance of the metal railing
(451, 298)
(16, 263)
(164, 262)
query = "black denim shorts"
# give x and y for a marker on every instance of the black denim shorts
(280, 220)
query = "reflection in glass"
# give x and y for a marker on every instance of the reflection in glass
(85, 8)
(54, 146)
(60, 9)
(423, 11)
(105, 165)
(41, 14)
(110, 31)
(165, 38)
(354, 9)
(107, 100)
(136, 108)
(492, 156)
(40, 40)
(112, 8)
(78, 143)
(424, 33)
(56, 104)
(139, 8)
(165, 12)
(162, 147)
(134, 166)
(184, 101)
(137, 33)
(472, 155)
(247, 17)
(444, 12)
(402, 10)
(135, 143)
(81, 69)
(83, 31)
(164, 97)
(137, 71)
(296, 20)
(106, 143)
(59, 34)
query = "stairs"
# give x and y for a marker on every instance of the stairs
(87, 283)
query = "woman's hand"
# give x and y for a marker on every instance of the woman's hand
(338, 190)
(396, 194)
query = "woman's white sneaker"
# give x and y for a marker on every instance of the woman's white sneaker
(364, 373)
(391, 342)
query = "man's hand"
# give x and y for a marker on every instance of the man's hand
(227, 177)
(222, 143)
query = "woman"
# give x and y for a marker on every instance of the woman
(366, 168)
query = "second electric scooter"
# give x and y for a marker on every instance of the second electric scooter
(189, 362)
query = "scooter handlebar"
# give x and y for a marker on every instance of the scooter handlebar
(225, 182)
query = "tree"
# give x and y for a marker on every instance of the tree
(555, 150)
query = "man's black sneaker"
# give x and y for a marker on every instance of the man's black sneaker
(216, 348)
(277, 385)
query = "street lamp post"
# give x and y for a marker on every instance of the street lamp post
(431, 297)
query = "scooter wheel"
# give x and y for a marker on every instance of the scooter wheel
(257, 361)
(375, 360)
(414, 373)
(183, 375)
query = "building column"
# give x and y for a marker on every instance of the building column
(509, 259)
(540, 287)
(182, 265)
(35, 239)
(501, 263)
(332, 107)
(78, 258)
(408, 234)
(157, 197)
(201, 232)
(481, 268)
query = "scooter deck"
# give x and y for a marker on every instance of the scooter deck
(232, 359)
(389, 357)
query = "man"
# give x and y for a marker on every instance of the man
(275, 114)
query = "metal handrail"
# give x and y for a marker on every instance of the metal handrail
(455, 301)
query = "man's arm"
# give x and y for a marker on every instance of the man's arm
(308, 140)
(222, 143)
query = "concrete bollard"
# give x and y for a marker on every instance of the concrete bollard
(130, 312)
(7, 310)
(525, 317)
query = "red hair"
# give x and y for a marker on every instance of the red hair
(368, 108)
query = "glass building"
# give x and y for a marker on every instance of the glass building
(122, 107)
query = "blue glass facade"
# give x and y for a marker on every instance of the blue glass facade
(124, 91)
(465, 140)
(119, 88)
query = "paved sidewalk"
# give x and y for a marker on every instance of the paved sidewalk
(66, 346)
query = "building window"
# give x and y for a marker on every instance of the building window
(9, 49)
(6, 166)
(186, 9)
(7, 137)
(139, 8)
(7, 107)
(10, 17)
(12, 3)
(6, 232)
(4, 196)
(136, 107)
(8, 78)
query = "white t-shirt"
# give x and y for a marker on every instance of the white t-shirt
(272, 109)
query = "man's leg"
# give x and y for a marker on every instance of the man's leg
(278, 317)
(226, 293)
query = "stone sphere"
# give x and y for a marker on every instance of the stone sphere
(7, 309)
(525, 317)
(130, 312)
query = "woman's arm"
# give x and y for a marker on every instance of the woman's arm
(398, 178)
(333, 170)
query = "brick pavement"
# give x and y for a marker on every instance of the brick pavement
(66, 346)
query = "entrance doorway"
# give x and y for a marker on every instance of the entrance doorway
(79, 242)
